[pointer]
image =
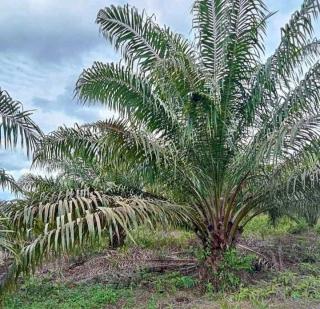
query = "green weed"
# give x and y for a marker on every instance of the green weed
(286, 285)
(152, 303)
(228, 275)
(299, 227)
(36, 294)
(174, 281)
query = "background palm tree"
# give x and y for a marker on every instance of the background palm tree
(302, 201)
(209, 125)
(16, 127)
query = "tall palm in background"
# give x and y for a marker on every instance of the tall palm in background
(16, 128)
(209, 126)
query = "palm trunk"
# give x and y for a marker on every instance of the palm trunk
(221, 239)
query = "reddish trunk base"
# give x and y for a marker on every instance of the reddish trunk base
(217, 243)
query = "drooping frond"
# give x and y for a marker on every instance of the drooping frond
(5, 243)
(296, 192)
(8, 182)
(295, 122)
(32, 183)
(134, 34)
(111, 142)
(138, 37)
(66, 143)
(297, 46)
(7, 248)
(83, 215)
(16, 124)
(16, 127)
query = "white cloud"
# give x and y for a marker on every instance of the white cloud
(51, 120)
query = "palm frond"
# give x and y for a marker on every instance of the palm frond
(16, 124)
(8, 182)
(297, 50)
(134, 34)
(228, 34)
(126, 93)
(111, 142)
(5, 243)
(83, 216)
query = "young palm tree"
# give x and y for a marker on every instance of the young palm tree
(209, 125)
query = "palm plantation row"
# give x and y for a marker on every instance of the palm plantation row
(209, 135)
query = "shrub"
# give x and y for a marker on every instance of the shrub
(261, 226)
(228, 275)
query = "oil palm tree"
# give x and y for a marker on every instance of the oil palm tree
(16, 128)
(302, 202)
(211, 125)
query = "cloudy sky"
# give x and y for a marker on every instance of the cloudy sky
(45, 44)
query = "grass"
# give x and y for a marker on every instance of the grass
(261, 227)
(172, 282)
(159, 238)
(42, 293)
(39, 294)
(286, 285)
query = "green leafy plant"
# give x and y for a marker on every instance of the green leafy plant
(185, 282)
(152, 304)
(228, 275)
(173, 281)
(300, 227)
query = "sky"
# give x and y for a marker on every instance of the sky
(45, 45)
